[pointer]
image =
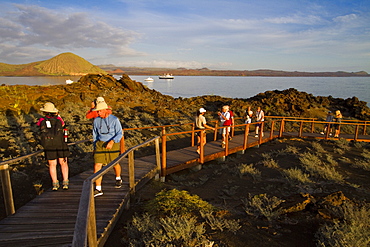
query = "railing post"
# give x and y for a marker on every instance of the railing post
(192, 134)
(158, 158)
(356, 133)
(164, 155)
(364, 130)
(313, 126)
(131, 171)
(328, 129)
(122, 144)
(6, 184)
(232, 128)
(216, 131)
(201, 154)
(300, 129)
(92, 237)
(281, 127)
(246, 133)
(260, 134)
(272, 129)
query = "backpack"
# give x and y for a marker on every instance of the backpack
(51, 133)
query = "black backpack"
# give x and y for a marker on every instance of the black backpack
(51, 133)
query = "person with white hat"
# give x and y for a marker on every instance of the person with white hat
(91, 114)
(107, 134)
(201, 124)
(55, 147)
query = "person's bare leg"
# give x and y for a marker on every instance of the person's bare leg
(53, 170)
(97, 167)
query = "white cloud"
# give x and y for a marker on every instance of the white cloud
(37, 27)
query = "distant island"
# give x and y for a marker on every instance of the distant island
(111, 69)
(69, 64)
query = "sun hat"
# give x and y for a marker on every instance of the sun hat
(101, 106)
(201, 110)
(49, 107)
(99, 99)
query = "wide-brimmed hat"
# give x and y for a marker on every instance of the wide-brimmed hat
(49, 107)
(99, 100)
(201, 110)
(101, 106)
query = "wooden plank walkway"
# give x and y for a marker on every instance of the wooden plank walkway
(49, 219)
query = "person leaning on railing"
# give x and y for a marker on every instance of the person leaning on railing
(201, 124)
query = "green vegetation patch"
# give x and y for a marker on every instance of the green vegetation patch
(177, 201)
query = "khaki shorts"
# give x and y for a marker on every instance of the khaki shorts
(105, 156)
(223, 131)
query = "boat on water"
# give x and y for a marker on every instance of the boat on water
(69, 81)
(166, 76)
(149, 79)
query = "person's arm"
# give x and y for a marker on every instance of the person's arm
(95, 133)
(118, 134)
(207, 126)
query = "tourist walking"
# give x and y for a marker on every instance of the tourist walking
(248, 115)
(201, 124)
(107, 134)
(338, 118)
(260, 117)
(55, 148)
(329, 119)
(225, 120)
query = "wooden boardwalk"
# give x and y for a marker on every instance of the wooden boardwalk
(49, 219)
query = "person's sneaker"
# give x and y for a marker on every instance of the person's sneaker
(65, 184)
(97, 193)
(321, 133)
(56, 185)
(118, 183)
(256, 136)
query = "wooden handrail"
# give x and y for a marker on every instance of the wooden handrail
(6, 183)
(85, 228)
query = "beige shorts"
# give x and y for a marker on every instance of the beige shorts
(105, 156)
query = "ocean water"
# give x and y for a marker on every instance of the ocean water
(246, 87)
(233, 87)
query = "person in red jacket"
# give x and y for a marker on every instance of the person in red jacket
(91, 114)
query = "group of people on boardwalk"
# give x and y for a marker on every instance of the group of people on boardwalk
(107, 133)
(226, 118)
(336, 119)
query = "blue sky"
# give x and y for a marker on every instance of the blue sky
(218, 34)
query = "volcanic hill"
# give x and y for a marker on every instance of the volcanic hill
(61, 65)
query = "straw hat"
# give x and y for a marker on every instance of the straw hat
(101, 106)
(99, 100)
(49, 107)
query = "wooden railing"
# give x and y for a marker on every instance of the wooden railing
(85, 230)
(6, 183)
(85, 233)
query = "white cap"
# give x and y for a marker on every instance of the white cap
(201, 110)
